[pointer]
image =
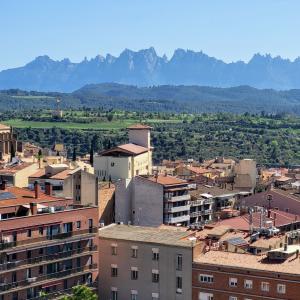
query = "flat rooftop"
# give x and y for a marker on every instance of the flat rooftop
(249, 262)
(161, 236)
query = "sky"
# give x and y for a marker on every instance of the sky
(230, 30)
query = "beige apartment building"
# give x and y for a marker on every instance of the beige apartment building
(128, 160)
(145, 263)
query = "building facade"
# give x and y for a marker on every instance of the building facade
(144, 263)
(128, 160)
(46, 244)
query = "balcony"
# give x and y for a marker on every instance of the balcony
(46, 258)
(177, 208)
(174, 220)
(46, 239)
(195, 214)
(24, 284)
(186, 197)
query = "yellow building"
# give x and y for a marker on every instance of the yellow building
(128, 160)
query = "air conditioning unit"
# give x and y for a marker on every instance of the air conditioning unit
(31, 279)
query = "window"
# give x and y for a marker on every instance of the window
(112, 164)
(233, 298)
(265, 286)
(248, 284)
(114, 271)
(134, 273)
(29, 233)
(41, 230)
(155, 254)
(206, 278)
(114, 295)
(78, 224)
(41, 270)
(13, 277)
(155, 296)
(15, 296)
(41, 251)
(134, 295)
(134, 251)
(179, 262)
(155, 276)
(281, 288)
(14, 256)
(206, 296)
(114, 248)
(233, 282)
(178, 284)
(28, 254)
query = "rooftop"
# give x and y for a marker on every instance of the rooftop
(167, 180)
(162, 236)
(4, 127)
(11, 169)
(131, 149)
(14, 196)
(248, 261)
(281, 218)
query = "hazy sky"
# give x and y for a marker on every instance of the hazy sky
(227, 29)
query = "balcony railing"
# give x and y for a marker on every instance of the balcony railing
(60, 236)
(177, 208)
(4, 287)
(179, 219)
(186, 197)
(46, 258)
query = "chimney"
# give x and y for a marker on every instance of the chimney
(274, 217)
(285, 243)
(48, 188)
(36, 190)
(33, 208)
(3, 185)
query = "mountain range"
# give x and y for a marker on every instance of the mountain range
(146, 68)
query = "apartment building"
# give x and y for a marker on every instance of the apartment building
(47, 244)
(152, 201)
(77, 183)
(145, 263)
(221, 275)
(127, 160)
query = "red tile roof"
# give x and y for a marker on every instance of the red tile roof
(198, 170)
(4, 127)
(131, 149)
(139, 126)
(281, 199)
(167, 180)
(15, 168)
(62, 175)
(23, 196)
(242, 222)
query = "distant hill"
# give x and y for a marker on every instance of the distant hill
(166, 98)
(146, 68)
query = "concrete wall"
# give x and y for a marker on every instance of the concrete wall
(166, 265)
(140, 137)
(21, 177)
(123, 196)
(147, 203)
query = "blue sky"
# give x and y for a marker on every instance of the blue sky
(227, 29)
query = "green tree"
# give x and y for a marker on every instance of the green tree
(81, 292)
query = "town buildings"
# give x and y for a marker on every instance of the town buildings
(47, 244)
(152, 201)
(145, 263)
(128, 160)
(77, 184)
(16, 173)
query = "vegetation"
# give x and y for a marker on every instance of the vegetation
(81, 292)
(166, 98)
(270, 139)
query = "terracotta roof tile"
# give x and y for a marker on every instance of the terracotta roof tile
(167, 180)
(4, 127)
(132, 149)
(15, 168)
(24, 196)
